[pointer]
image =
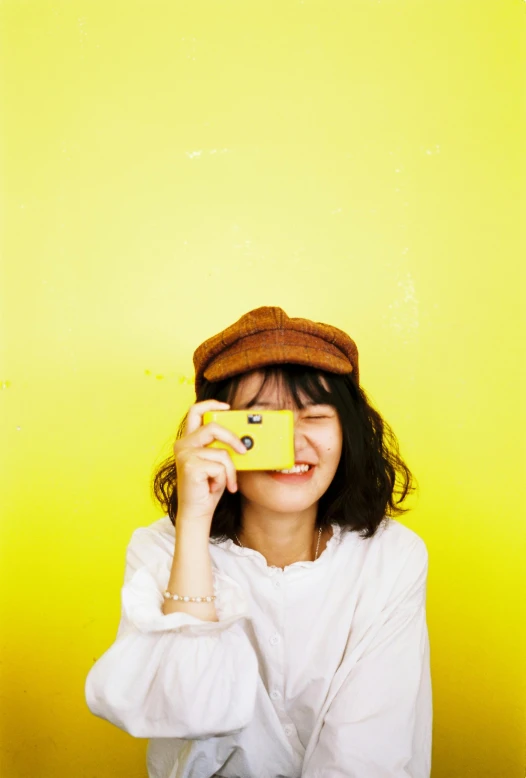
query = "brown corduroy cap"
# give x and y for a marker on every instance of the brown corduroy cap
(267, 336)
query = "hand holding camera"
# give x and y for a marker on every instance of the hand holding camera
(217, 442)
(204, 472)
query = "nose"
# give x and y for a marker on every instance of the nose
(300, 442)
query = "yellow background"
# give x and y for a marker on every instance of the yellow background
(167, 166)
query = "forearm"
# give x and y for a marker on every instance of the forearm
(191, 572)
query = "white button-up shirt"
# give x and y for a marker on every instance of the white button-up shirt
(320, 670)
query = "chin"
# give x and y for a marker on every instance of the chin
(284, 505)
(278, 498)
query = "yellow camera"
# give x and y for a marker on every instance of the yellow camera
(268, 436)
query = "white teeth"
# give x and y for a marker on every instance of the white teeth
(295, 469)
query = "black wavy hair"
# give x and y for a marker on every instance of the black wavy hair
(371, 481)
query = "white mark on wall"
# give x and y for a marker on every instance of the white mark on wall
(199, 153)
(245, 245)
(403, 314)
(189, 47)
(433, 150)
(83, 34)
(251, 252)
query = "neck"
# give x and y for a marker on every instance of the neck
(281, 538)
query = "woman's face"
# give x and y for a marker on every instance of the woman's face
(317, 442)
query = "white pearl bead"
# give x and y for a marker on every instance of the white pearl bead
(186, 599)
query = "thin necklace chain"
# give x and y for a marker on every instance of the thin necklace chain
(317, 544)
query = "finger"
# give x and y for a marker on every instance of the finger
(215, 473)
(222, 456)
(199, 465)
(196, 412)
(214, 431)
(206, 434)
(195, 469)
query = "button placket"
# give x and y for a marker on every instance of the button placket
(275, 638)
(276, 575)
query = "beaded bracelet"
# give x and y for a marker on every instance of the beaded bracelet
(183, 598)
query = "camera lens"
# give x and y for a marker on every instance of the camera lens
(247, 441)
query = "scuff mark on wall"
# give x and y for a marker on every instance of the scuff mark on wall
(180, 378)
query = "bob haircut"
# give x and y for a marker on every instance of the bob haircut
(371, 481)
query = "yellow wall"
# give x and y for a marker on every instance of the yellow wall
(166, 167)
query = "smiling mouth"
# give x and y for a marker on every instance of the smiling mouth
(296, 470)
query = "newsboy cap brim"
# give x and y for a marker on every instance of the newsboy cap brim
(267, 336)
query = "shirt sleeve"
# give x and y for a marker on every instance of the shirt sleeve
(379, 723)
(173, 675)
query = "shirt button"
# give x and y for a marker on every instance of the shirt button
(277, 583)
(274, 639)
(275, 695)
(288, 730)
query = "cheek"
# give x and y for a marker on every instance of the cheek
(334, 450)
(332, 443)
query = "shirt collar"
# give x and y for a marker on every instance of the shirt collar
(249, 553)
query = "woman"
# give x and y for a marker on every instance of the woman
(297, 642)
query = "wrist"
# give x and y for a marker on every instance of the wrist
(191, 531)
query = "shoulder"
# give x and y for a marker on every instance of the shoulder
(395, 536)
(154, 543)
(162, 528)
(395, 554)
(394, 566)
(391, 537)
(160, 532)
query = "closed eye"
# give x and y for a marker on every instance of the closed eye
(317, 417)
